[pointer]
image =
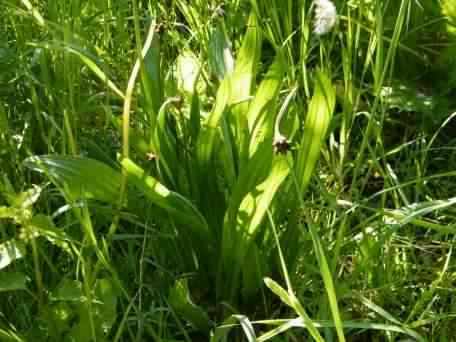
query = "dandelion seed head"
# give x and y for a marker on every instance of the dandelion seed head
(325, 16)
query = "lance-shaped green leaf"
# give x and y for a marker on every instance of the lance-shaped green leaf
(79, 176)
(164, 145)
(246, 61)
(178, 206)
(220, 57)
(207, 136)
(257, 156)
(151, 78)
(319, 115)
(243, 80)
(237, 240)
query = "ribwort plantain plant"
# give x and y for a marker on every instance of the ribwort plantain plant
(197, 155)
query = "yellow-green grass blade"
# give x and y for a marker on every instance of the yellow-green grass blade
(286, 324)
(292, 302)
(221, 332)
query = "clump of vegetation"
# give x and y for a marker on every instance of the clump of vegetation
(227, 171)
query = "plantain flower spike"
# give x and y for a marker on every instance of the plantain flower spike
(325, 16)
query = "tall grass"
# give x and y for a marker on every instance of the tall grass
(220, 171)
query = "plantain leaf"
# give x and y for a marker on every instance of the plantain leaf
(246, 61)
(256, 163)
(164, 145)
(79, 176)
(244, 78)
(319, 115)
(220, 58)
(207, 136)
(178, 206)
(151, 78)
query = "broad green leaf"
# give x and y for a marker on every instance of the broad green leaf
(195, 117)
(246, 62)
(79, 176)
(256, 203)
(241, 218)
(152, 81)
(243, 79)
(68, 290)
(11, 281)
(164, 145)
(106, 306)
(318, 117)
(205, 164)
(177, 206)
(256, 163)
(44, 226)
(250, 217)
(180, 300)
(260, 120)
(220, 58)
(208, 133)
(10, 251)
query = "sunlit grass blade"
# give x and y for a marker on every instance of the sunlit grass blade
(292, 301)
(285, 324)
(221, 333)
(87, 59)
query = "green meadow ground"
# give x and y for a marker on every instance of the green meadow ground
(227, 170)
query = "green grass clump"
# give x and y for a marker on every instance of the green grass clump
(227, 171)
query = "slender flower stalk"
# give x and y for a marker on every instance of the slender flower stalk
(325, 16)
(281, 143)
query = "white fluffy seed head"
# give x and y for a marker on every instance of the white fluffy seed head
(325, 16)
